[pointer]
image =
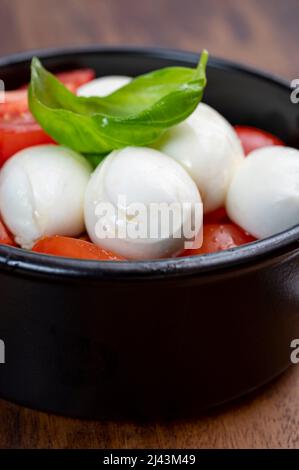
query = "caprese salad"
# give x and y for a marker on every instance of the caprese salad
(71, 143)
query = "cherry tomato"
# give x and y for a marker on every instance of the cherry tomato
(218, 237)
(219, 216)
(76, 78)
(73, 248)
(5, 237)
(19, 131)
(253, 138)
(16, 102)
(72, 79)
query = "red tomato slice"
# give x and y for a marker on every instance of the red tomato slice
(5, 237)
(218, 237)
(16, 102)
(18, 132)
(76, 78)
(253, 138)
(73, 248)
(72, 79)
(219, 216)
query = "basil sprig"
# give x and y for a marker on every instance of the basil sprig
(136, 114)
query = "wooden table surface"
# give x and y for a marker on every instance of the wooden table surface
(262, 33)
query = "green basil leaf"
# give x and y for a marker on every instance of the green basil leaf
(94, 159)
(136, 114)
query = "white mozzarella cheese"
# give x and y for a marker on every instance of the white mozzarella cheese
(263, 197)
(128, 181)
(42, 192)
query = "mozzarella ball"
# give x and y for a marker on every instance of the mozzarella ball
(263, 196)
(207, 146)
(42, 193)
(123, 195)
(103, 86)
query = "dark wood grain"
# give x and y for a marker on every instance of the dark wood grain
(263, 33)
(258, 32)
(269, 418)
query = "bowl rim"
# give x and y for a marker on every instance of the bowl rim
(18, 260)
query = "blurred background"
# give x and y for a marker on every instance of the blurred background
(262, 33)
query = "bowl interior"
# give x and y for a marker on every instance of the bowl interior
(241, 94)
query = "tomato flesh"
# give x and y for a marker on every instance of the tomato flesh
(76, 78)
(16, 102)
(5, 237)
(216, 217)
(253, 138)
(19, 132)
(72, 79)
(218, 237)
(73, 248)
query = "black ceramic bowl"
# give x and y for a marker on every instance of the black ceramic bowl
(157, 338)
